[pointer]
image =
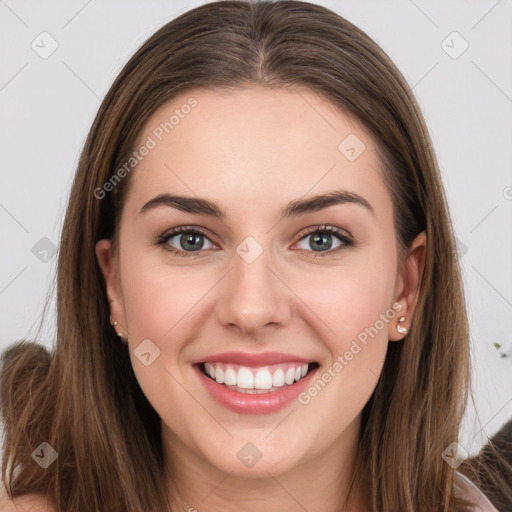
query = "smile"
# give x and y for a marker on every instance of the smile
(245, 379)
(255, 383)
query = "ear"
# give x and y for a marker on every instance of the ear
(408, 284)
(109, 265)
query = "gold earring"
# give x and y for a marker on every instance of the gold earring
(400, 327)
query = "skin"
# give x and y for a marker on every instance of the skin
(252, 151)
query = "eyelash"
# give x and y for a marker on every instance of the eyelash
(340, 233)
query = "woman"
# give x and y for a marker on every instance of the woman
(211, 354)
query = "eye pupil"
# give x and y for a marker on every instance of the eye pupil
(196, 241)
(318, 239)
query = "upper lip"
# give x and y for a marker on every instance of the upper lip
(254, 360)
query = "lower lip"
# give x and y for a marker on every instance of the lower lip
(257, 403)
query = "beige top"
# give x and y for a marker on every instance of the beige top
(464, 488)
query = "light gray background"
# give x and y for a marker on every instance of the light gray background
(48, 105)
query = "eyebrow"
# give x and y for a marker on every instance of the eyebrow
(200, 206)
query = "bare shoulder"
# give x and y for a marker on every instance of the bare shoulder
(27, 503)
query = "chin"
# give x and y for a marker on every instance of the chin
(250, 456)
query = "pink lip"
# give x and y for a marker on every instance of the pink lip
(262, 403)
(253, 360)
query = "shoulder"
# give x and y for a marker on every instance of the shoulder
(464, 488)
(27, 503)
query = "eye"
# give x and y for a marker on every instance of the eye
(321, 237)
(188, 239)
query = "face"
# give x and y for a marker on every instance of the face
(265, 284)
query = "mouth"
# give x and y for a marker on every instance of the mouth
(255, 383)
(256, 380)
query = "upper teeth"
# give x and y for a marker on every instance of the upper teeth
(246, 377)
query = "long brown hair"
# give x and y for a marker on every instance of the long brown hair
(84, 400)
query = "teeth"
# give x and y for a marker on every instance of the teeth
(289, 376)
(219, 375)
(245, 379)
(278, 378)
(212, 372)
(263, 380)
(230, 377)
(250, 380)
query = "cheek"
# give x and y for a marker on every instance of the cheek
(157, 297)
(348, 299)
(160, 303)
(352, 306)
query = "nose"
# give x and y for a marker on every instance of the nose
(253, 296)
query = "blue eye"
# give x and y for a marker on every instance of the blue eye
(190, 240)
(321, 237)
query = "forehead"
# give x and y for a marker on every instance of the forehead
(253, 144)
